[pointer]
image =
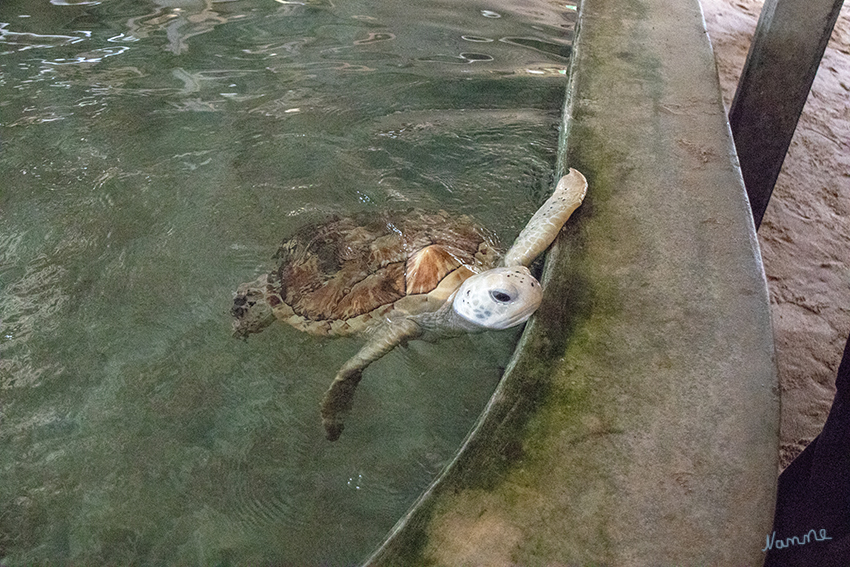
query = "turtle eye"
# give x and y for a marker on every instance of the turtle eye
(500, 296)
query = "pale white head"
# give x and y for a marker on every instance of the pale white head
(499, 298)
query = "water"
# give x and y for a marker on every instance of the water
(153, 155)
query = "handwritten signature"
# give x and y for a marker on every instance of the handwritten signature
(794, 540)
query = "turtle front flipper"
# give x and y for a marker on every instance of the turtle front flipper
(336, 402)
(544, 226)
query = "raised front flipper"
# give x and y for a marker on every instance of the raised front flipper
(337, 400)
(544, 226)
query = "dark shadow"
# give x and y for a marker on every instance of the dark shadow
(812, 522)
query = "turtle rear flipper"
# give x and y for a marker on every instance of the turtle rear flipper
(336, 403)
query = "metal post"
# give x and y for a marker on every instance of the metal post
(789, 42)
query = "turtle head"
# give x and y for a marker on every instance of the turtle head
(499, 298)
(251, 309)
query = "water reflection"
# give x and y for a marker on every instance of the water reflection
(75, 2)
(21, 41)
(93, 56)
(181, 20)
(153, 155)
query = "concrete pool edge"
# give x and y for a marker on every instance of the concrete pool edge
(638, 421)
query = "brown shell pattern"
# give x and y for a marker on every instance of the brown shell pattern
(351, 266)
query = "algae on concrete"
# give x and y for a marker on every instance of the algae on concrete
(638, 421)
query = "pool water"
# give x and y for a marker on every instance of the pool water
(153, 155)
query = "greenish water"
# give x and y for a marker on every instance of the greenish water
(153, 155)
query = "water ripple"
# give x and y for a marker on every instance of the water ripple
(75, 2)
(29, 307)
(24, 41)
(93, 56)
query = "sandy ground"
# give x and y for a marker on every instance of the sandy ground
(805, 233)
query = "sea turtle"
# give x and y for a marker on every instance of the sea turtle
(411, 276)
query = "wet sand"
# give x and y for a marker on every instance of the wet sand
(805, 233)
